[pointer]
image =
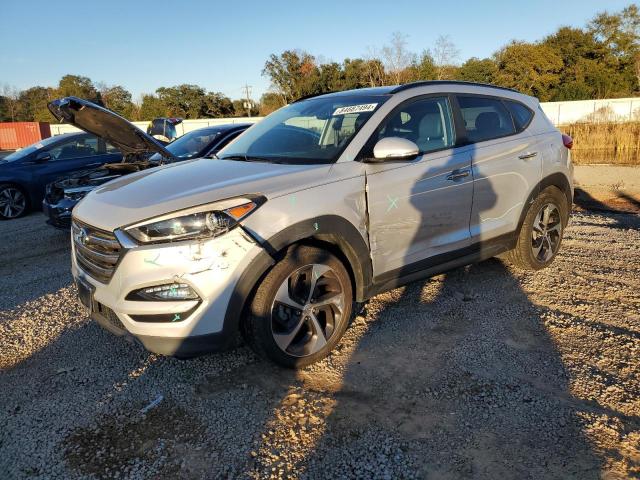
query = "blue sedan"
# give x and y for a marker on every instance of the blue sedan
(25, 173)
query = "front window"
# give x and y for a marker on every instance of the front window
(311, 131)
(23, 152)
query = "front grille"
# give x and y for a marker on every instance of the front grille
(109, 316)
(97, 252)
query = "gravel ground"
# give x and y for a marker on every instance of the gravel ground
(484, 372)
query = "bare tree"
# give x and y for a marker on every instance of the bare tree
(445, 55)
(373, 68)
(11, 95)
(397, 59)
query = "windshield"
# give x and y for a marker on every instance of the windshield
(311, 131)
(191, 144)
(23, 152)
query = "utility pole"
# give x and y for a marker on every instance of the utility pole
(247, 103)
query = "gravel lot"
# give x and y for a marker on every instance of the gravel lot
(484, 372)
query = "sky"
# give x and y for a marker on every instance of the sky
(221, 46)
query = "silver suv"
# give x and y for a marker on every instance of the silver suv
(323, 204)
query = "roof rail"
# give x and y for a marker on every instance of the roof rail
(426, 83)
(305, 97)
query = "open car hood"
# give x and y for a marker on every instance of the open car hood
(106, 124)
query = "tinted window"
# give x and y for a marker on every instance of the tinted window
(485, 118)
(521, 114)
(75, 148)
(426, 122)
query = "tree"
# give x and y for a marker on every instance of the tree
(10, 95)
(425, 68)
(118, 99)
(270, 102)
(33, 105)
(77, 86)
(478, 70)
(397, 59)
(186, 101)
(218, 105)
(530, 68)
(293, 74)
(151, 107)
(445, 56)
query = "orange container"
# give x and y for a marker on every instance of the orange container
(14, 135)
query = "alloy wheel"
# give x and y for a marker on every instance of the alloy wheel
(547, 233)
(12, 202)
(307, 310)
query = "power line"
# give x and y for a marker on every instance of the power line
(248, 103)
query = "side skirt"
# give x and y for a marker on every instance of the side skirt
(441, 263)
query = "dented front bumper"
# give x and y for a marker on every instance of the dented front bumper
(212, 268)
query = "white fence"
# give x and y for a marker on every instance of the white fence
(590, 111)
(181, 129)
(560, 113)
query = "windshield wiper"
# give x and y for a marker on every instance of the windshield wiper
(249, 158)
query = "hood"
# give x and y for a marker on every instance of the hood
(106, 124)
(176, 186)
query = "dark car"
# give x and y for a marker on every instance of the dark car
(64, 194)
(24, 174)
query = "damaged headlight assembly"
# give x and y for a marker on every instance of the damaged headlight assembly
(202, 222)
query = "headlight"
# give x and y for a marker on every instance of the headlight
(194, 223)
(169, 291)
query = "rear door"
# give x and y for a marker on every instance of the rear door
(507, 163)
(419, 209)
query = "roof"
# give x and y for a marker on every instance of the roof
(390, 90)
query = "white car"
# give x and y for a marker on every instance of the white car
(321, 205)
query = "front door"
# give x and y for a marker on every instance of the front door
(419, 209)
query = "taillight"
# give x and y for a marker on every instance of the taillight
(567, 140)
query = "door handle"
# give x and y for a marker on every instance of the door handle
(524, 156)
(458, 174)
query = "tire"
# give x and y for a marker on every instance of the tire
(14, 203)
(292, 326)
(538, 242)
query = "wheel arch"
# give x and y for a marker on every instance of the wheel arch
(330, 232)
(558, 180)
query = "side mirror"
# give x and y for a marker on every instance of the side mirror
(394, 149)
(42, 157)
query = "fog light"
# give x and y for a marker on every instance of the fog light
(167, 292)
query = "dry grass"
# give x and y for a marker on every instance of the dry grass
(605, 142)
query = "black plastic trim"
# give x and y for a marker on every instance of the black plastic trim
(427, 83)
(441, 263)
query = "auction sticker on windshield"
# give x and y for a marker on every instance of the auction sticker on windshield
(367, 107)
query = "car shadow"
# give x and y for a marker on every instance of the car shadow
(617, 209)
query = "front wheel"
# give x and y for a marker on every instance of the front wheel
(301, 309)
(541, 233)
(13, 202)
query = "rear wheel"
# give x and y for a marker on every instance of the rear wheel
(301, 309)
(541, 232)
(13, 202)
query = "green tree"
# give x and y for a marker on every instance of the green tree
(531, 68)
(33, 105)
(151, 107)
(292, 74)
(218, 105)
(270, 102)
(478, 70)
(77, 86)
(425, 68)
(118, 99)
(186, 101)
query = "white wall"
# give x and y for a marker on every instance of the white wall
(184, 127)
(618, 109)
(560, 113)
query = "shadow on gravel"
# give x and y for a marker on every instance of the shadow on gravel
(616, 208)
(456, 387)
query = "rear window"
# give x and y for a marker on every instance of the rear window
(485, 118)
(521, 114)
